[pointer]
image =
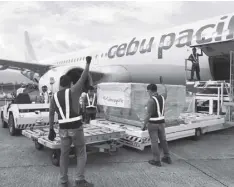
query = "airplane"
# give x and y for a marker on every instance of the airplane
(140, 59)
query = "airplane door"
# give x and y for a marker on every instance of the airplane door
(219, 58)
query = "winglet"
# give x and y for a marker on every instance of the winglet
(29, 52)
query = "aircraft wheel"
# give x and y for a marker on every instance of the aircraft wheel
(198, 134)
(11, 125)
(4, 124)
(55, 157)
(38, 146)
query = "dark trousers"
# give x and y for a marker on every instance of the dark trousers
(195, 67)
(157, 131)
(89, 116)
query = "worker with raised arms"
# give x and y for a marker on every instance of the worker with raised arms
(66, 104)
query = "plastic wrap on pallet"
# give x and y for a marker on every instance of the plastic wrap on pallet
(126, 102)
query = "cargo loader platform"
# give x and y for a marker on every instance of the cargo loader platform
(98, 139)
(206, 113)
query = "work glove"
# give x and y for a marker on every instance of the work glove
(143, 128)
(51, 135)
(88, 59)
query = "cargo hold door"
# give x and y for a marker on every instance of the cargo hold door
(219, 58)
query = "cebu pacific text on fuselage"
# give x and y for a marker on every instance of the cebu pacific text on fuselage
(180, 39)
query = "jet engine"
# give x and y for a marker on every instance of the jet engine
(52, 78)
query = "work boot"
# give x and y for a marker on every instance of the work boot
(167, 160)
(83, 183)
(155, 163)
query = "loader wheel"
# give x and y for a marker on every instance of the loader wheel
(11, 125)
(55, 157)
(4, 124)
(38, 146)
(198, 134)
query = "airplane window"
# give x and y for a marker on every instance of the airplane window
(102, 55)
(83, 58)
(106, 54)
(71, 60)
(77, 59)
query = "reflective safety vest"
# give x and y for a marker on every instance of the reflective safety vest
(91, 105)
(67, 118)
(45, 96)
(158, 116)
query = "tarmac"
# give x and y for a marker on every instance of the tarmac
(206, 162)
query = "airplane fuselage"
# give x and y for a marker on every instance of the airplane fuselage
(146, 58)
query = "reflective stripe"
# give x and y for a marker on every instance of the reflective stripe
(67, 104)
(58, 105)
(89, 105)
(157, 119)
(70, 119)
(163, 105)
(160, 115)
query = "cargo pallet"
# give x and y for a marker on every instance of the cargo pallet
(98, 139)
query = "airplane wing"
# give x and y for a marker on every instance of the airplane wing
(18, 65)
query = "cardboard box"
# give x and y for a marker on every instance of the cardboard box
(126, 102)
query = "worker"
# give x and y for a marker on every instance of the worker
(194, 58)
(155, 123)
(90, 104)
(66, 104)
(21, 89)
(45, 94)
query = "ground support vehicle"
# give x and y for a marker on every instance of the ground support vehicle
(20, 116)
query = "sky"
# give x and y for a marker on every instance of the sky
(57, 28)
(60, 27)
